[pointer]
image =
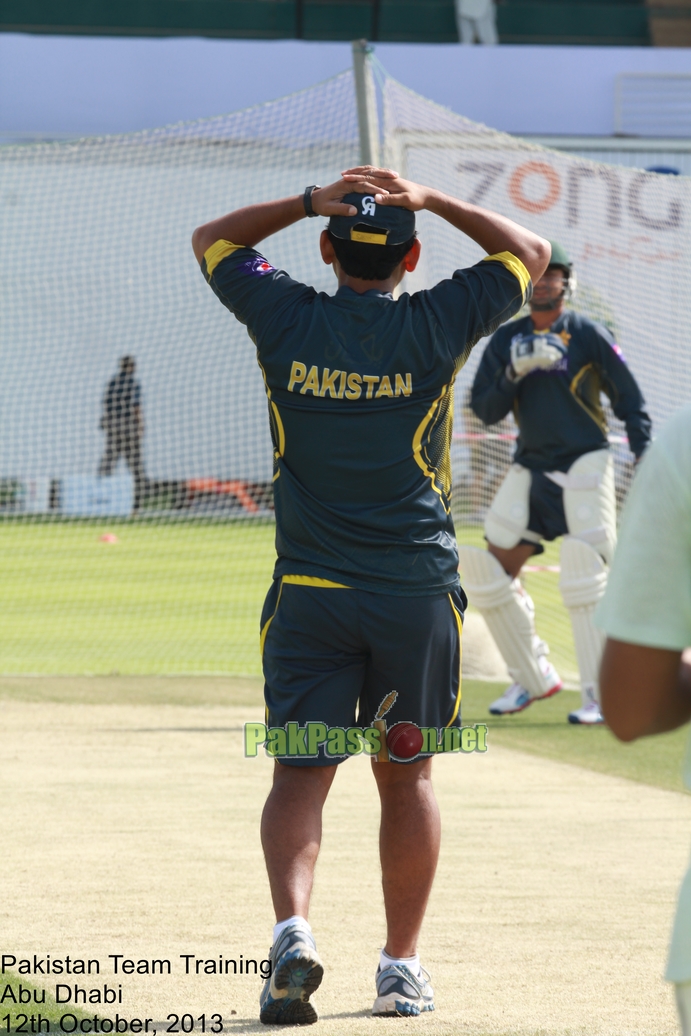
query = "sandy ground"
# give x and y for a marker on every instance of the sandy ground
(133, 830)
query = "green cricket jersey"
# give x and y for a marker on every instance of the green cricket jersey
(558, 410)
(360, 391)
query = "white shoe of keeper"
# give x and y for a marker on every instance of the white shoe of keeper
(588, 714)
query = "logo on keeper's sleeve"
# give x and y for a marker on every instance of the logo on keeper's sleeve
(258, 266)
(618, 351)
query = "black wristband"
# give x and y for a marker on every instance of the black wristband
(307, 200)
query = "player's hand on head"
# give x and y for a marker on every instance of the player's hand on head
(327, 201)
(369, 171)
(404, 193)
(390, 189)
(386, 185)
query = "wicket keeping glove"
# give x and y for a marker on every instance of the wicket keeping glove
(533, 352)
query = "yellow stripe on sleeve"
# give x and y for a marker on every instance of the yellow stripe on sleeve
(514, 265)
(219, 250)
(314, 581)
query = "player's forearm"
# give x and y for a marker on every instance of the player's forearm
(491, 403)
(250, 225)
(627, 402)
(638, 427)
(493, 232)
(644, 690)
(639, 432)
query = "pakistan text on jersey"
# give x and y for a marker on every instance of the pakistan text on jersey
(341, 384)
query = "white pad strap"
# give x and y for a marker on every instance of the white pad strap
(582, 583)
(508, 612)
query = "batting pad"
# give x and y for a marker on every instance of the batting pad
(582, 583)
(506, 522)
(590, 503)
(508, 612)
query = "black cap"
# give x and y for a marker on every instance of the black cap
(374, 224)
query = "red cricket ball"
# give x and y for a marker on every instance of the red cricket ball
(404, 740)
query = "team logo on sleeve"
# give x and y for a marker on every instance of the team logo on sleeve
(258, 266)
(618, 351)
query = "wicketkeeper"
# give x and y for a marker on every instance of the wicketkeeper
(550, 369)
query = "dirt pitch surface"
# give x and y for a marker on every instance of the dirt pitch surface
(133, 829)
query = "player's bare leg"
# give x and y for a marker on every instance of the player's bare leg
(409, 849)
(513, 560)
(291, 831)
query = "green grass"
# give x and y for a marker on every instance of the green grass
(543, 730)
(168, 598)
(41, 1007)
(173, 598)
(185, 598)
(182, 691)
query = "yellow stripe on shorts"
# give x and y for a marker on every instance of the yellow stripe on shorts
(315, 581)
(459, 623)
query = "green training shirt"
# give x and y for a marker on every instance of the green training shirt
(648, 596)
(360, 391)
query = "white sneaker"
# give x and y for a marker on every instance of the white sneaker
(516, 698)
(296, 971)
(554, 684)
(401, 993)
(588, 714)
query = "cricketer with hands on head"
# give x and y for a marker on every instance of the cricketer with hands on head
(645, 680)
(366, 598)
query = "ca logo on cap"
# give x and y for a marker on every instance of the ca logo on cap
(368, 206)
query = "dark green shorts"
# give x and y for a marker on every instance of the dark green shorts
(331, 655)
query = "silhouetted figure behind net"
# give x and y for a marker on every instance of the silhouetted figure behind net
(122, 421)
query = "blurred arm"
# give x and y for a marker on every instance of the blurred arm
(492, 394)
(494, 233)
(644, 690)
(626, 397)
(248, 226)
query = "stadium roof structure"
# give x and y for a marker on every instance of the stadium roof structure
(408, 20)
(614, 22)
